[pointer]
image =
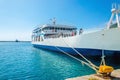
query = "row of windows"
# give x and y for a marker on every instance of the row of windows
(55, 29)
(51, 28)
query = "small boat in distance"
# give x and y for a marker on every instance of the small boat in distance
(16, 40)
(64, 37)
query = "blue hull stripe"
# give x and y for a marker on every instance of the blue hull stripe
(84, 51)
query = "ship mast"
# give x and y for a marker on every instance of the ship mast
(115, 10)
(53, 21)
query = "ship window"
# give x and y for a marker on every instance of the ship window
(50, 28)
(45, 28)
(40, 30)
(57, 28)
(67, 29)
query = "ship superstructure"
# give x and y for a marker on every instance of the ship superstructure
(54, 37)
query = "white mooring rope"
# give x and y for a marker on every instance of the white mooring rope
(90, 64)
(81, 55)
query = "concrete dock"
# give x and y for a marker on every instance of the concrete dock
(115, 75)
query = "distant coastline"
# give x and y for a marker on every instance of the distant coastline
(15, 41)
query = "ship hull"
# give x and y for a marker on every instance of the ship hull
(83, 51)
(86, 44)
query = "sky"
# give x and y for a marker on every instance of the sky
(19, 17)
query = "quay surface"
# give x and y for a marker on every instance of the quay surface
(115, 75)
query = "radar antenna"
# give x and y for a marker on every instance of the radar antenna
(53, 20)
(113, 6)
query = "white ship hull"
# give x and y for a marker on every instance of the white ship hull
(86, 44)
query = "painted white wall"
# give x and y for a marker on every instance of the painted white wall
(104, 39)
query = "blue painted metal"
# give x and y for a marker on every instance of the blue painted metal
(83, 51)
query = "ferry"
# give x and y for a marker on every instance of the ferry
(67, 38)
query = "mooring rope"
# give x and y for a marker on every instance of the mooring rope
(103, 58)
(81, 55)
(83, 62)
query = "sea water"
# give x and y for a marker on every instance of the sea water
(21, 61)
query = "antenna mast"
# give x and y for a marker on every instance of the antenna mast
(115, 10)
(53, 21)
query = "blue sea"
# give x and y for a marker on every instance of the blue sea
(21, 61)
